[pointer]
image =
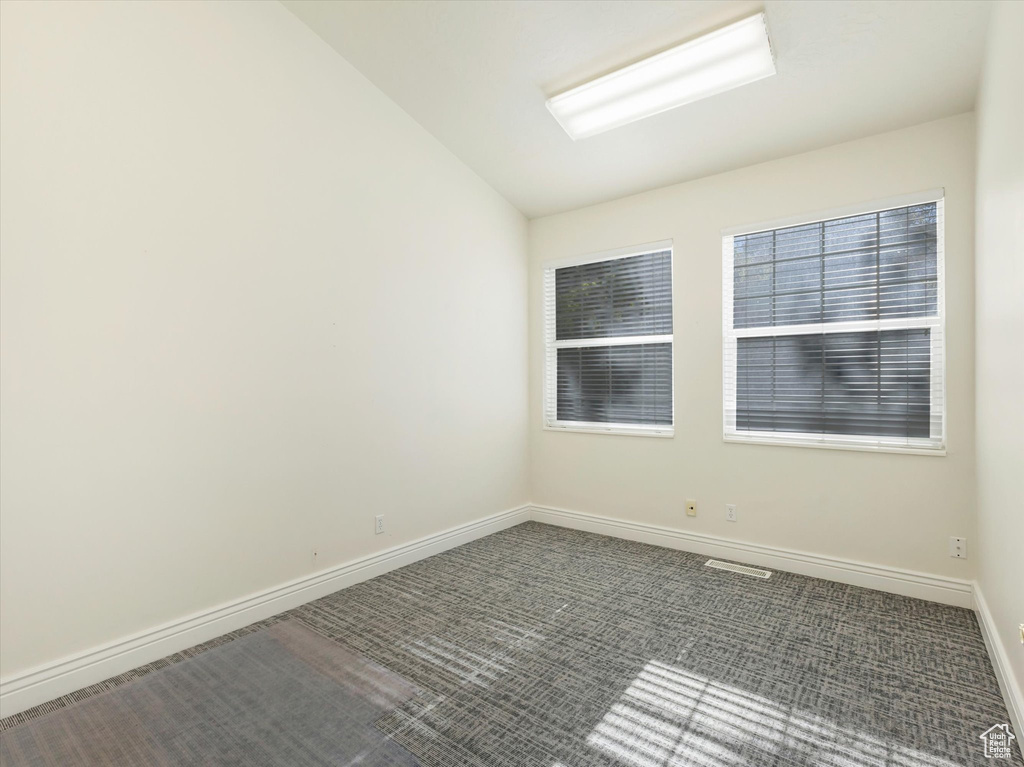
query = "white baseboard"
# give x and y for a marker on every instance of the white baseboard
(52, 680)
(38, 685)
(908, 583)
(1008, 684)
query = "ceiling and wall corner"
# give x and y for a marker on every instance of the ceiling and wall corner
(234, 320)
(890, 510)
(144, 337)
(476, 75)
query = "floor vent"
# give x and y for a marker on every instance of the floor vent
(754, 571)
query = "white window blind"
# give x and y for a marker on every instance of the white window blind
(608, 342)
(833, 330)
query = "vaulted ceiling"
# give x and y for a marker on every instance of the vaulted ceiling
(476, 74)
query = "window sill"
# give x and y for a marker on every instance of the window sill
(834, 445)
(622, 430)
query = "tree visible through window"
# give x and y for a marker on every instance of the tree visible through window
(608, 333)
(833, 330)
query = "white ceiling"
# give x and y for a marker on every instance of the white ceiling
(476, 73)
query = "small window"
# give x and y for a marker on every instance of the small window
(608, 342)
(833, 331)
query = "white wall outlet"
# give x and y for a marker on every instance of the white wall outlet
(1021, 627)
(958, 548)
(691, 508)
(378, 524)
(730, 512)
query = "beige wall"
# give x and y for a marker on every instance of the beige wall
(888, 509)
(234, 319)
(1000, 321)
(234, 329)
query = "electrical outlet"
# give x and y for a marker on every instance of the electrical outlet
(1021, 627)
(378, 522)
(691, 508)
(958, 548)
(730, 512)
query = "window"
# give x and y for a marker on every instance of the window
(608, 342)
(833, 330)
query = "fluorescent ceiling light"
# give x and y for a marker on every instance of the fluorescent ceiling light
(722, 60)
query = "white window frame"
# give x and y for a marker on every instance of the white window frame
(936, 443)
(551, 347)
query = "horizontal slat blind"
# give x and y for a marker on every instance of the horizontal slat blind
(620, 297)
(833, 330)
(608, 337)
(881, 264)
(616, 384)
(838, 383)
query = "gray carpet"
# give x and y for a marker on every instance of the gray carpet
(284, 695)
(556, 648)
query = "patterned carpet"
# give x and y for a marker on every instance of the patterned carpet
(281, 696)
(556, 648)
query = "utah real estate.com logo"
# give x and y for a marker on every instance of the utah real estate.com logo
(997, 741)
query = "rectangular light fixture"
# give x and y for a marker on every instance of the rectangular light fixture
(713, 63)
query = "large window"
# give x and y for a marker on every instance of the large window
(833, 330)
(608, 342)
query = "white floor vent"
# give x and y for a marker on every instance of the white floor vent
(754, 571)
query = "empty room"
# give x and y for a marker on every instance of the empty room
(486, 383)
